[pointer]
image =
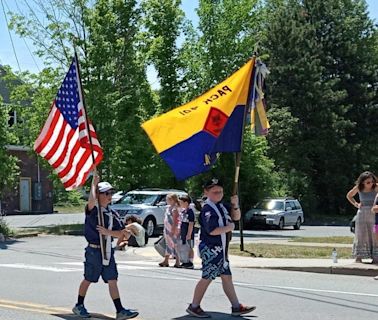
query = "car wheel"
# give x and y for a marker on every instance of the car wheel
(281, 224)
(150, 225)
(297, 225)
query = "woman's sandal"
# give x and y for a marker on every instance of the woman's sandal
(163, 264)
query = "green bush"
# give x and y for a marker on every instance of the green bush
(68, 198)
(4, 228)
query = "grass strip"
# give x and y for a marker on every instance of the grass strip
(283, 251)
(341, 240)
(69, 208)
(58, 230)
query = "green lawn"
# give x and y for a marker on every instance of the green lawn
(342, 240)
(69, 208)
(284, 251)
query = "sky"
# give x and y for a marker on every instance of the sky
(24, 47)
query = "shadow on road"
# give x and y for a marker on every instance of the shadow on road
(94, 316)
(6, 244)
(217, 315)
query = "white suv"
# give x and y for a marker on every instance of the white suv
(148, 205)
(279, 212)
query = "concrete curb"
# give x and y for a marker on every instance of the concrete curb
(344, 266)
(25, 235)
(370, 272)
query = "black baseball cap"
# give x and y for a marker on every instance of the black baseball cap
(212, 183)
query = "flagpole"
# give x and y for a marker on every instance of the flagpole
(100, 214)
(235, 189)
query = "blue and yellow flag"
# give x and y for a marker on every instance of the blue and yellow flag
(189, 137)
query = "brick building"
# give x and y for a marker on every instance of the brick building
(33, 192)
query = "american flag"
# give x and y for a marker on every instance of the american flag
(64, 140)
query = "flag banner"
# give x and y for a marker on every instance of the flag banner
(256, 115)
(189, 137)
(64, 139)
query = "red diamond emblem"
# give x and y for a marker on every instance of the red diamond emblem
(215, 122)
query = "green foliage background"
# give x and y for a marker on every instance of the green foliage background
(321, 92)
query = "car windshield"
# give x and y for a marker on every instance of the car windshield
(270, 205)
(138, 198)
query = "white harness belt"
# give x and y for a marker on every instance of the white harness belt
(221, 224)
(108, 239)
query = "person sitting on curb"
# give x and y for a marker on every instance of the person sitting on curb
(134, 235)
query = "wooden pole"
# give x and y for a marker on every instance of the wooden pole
(235, 189)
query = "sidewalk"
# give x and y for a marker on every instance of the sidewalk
(343, 266)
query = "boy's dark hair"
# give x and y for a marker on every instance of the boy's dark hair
(185, 198)
(133, 219)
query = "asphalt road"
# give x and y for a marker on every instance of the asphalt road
(30, 221)
(39, 278)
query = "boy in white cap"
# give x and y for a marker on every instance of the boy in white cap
(94, 267)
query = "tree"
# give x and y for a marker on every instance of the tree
(162, 20)
(228, 33)
(312, 46)
(117, 93)
(8, 164)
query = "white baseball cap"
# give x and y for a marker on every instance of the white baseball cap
(104, 186)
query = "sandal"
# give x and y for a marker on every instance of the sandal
(163, 264)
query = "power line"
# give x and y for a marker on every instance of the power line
(23, 38)
(10, 35)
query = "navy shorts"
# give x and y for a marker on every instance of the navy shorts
(93, 267)
(213, 262)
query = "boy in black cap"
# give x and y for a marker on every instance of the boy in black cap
(94, 266)
(215, 222)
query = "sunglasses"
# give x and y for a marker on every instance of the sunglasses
(216, 192)
(107, 193)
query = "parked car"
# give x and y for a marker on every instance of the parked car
(148, 205)
(279, 212)
(117, 196)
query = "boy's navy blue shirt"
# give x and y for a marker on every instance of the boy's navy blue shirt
(209, 221)
(187, 216)
(91, 222)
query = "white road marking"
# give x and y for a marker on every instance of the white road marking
(37, 267)
(133, 262)
(78, 266)
(151, 265)
(306, 289)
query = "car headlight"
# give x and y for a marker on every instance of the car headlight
(134, 211)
